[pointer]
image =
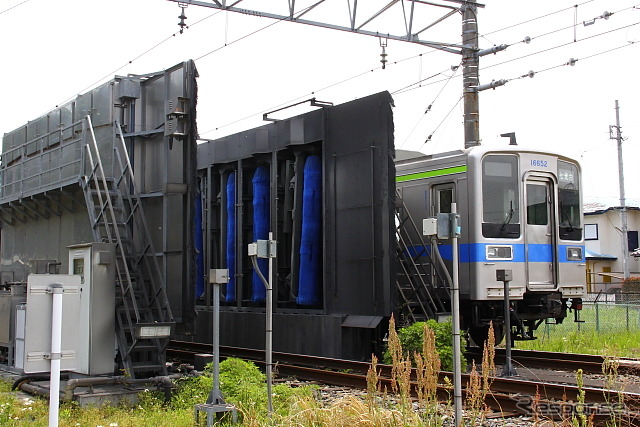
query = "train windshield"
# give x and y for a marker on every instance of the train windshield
(500, 201)
(569, 201)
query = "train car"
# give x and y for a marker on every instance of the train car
(520, 209)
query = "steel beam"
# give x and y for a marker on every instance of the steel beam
(58, 204)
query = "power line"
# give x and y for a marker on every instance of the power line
(109, 75)
(560, 45)
(574, 60)
(530, 74)
(430, 105)
(603, 16)
(14, 6)
(535, 19)
(440, 124)
(314, 92)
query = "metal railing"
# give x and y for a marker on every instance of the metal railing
(48, 161)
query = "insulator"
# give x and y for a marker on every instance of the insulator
(182, 24)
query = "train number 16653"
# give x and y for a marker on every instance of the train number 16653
(539, 163)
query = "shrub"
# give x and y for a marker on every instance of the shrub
(411, 338)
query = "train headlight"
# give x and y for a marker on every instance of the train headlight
(500, 252)
(574, 254)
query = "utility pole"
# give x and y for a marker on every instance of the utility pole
(470, 75)
(623, 207)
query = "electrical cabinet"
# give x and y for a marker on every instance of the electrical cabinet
(94, 263)
(33, 325)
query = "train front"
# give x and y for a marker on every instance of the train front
(525, 216)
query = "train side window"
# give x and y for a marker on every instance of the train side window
(500, 197)
(444, 196)
(537, 212)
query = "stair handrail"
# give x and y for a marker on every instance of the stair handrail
(409, 227)
(92, 143)
(158, 289)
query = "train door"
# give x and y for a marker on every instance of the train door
(539, 236)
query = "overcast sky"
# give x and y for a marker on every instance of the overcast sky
(53, 50)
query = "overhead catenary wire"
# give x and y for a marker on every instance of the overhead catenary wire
(561, 45)
(428, 108)
(418, 84)
(574, 60)
(440, 124)
(131, 61)
(536, 18)
(400, 91)
(575, 40)
(531, 73)
(414, 86)
(14, 6)
(316, 91)
(410, 87)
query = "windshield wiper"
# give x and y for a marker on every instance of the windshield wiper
(563, 213)
(508, 218)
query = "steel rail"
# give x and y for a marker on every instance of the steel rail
(589, 363)
(507, 394)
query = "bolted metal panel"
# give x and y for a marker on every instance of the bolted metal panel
(54, 121)
(66, 119)
(102, 105)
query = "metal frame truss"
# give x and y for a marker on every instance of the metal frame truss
(410, 10)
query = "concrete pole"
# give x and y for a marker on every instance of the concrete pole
(470, 76)
(623, 207)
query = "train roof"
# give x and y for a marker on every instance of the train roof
(406, 157)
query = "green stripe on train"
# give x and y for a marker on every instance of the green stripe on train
(431, 174)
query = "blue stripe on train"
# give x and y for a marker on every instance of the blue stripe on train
(477, 252)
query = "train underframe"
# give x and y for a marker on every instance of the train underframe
(527, 315)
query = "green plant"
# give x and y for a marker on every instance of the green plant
(411, 339)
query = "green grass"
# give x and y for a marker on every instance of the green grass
(241, 382)
(608, 329)
(33, 411)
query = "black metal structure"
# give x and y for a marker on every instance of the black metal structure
(355, 143)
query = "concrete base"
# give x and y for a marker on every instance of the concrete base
(111, 395)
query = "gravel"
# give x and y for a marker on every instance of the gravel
(329, 394)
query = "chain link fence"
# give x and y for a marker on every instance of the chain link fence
(601, 314)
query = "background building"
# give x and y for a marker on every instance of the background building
(603, 241)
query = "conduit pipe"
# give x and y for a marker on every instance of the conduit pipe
(162, 381)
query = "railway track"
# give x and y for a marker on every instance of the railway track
(589, 363)
(508, 395)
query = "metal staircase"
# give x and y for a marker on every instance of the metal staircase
(419, 281)
(144, 322)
